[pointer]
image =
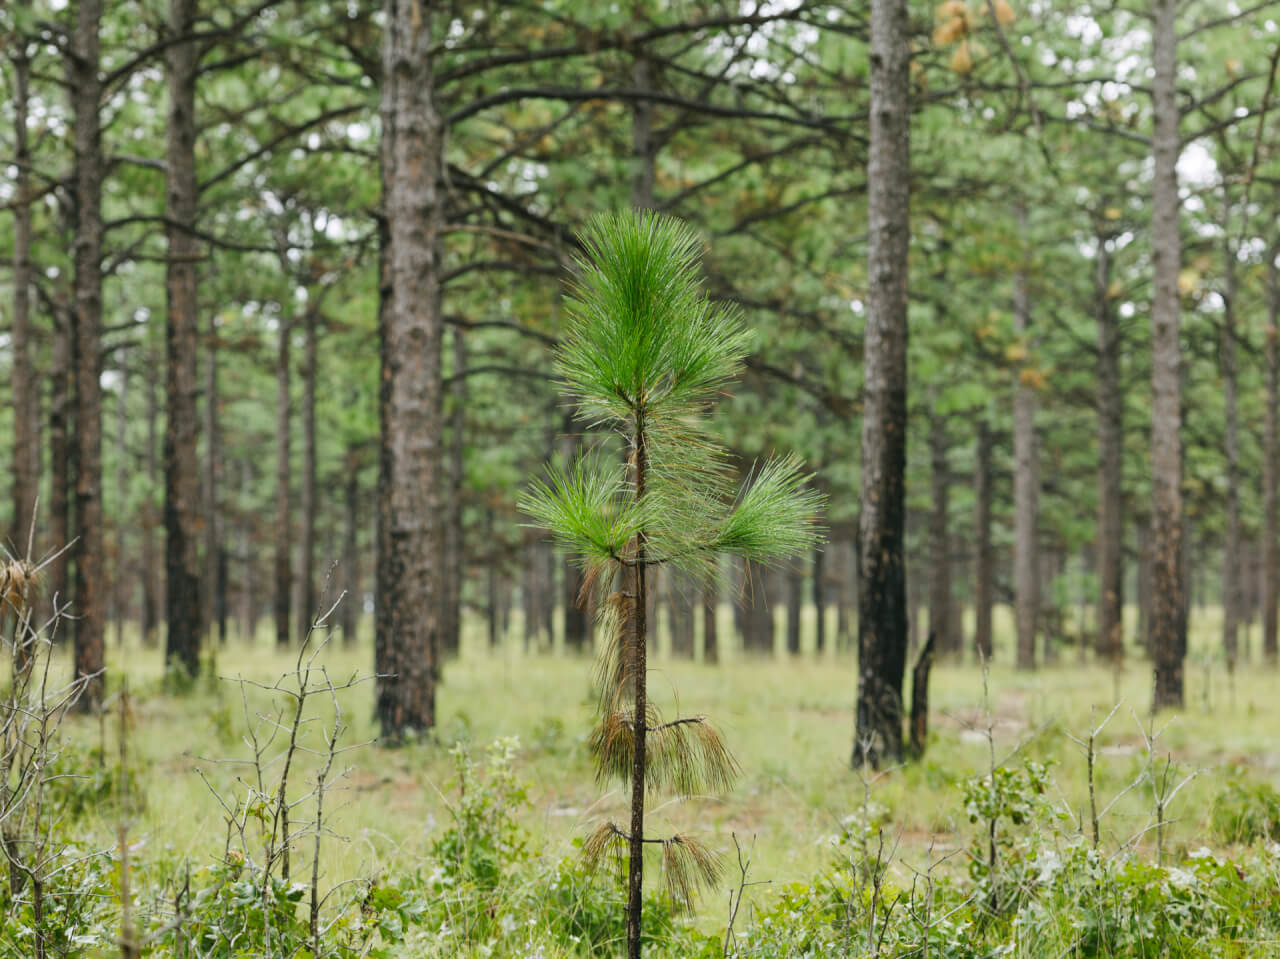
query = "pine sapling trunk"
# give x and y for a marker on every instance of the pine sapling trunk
(639, 638)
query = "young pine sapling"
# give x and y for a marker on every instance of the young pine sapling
(644, 355)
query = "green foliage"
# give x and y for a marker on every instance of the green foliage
(1245, 813)
(484, 838)
(642, 337)
(77, 913)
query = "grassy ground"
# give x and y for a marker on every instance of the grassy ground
(788, 722)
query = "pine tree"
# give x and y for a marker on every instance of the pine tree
(644, 355)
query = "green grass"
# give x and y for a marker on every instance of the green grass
(789, 723)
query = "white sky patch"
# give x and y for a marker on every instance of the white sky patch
(1196, 166)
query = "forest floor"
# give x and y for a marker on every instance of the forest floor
(789, 723)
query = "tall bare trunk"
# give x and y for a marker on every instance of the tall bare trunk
(1168, 614)
(181, 472)
(26, 448)
(819, 587)
(353, 604)
(795, 606)
(710, 628)
(284, 488)
(150, 568)
(644, 148)
(90, 585)
(248, 569)
(1271, 461)
(984, 573)
(215, 553)
(576, 624)
(411, 582)
(1232, 566)
(1026, 482)
(1110, 642)
(306, 605)
(455, 560)
(122, 577)
(882, 600)
(61, 450)
(940, 541)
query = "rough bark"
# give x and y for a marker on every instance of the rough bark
(306, 603)
(411, 585)
(1110, 641)
(87, 554)
(984, 571)
(940, 625)
(882, 608)
(23, 382)
(1271, 462)
(1232, 565)
(1026, 485)
(1167, 599)
(183, 613)
(639, 707)
(283, 565)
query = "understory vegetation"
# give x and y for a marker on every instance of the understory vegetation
(252, 816)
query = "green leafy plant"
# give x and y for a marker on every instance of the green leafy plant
(644, 354)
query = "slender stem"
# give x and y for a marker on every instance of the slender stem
(639, 636)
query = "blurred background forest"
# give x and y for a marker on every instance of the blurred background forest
(279, 310)
(191, 317)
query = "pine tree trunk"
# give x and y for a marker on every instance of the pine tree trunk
(411, 579)
(455, 560)
(249, 573)
(183, 613)
(24, 385)
(710, 626)
(214, 587)
(1271, 462)
(353, 604)
(1110, 641)
(575, 616)
(87, 554)
(945, 642)
(842, 553)
(284, 489)
(639, 708)
(820, 597)
(795, 606)
(492, 599)
(1026, 482)
(122, 577)
(150, 568)
(644, 149)
(1233, 566)
(61, 452)
(984, 572)
(882, 611)
(1168, 612)
(306, 603)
